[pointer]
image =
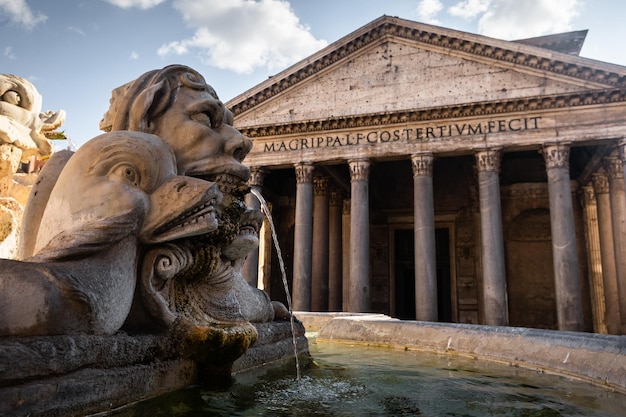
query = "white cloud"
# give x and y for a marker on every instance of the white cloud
(427, 10)
(242, 35)
(8, 52)
(19, 13)
(140, 4)
(76, 30)
(517, 19)
(134, 56)
(469, 9)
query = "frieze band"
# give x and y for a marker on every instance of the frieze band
(406, 135)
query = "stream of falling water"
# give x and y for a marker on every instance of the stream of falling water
(266, 211)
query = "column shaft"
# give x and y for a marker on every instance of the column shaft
(319, 285)
(607, 252)
(594, 259)
(617, 195)
(345, 250)
(251, 266)
(424, 230)
(334, 252)
(303, 238)
(564, 248)
(495, 302)
(359, 289)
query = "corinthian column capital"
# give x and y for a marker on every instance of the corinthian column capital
(600, 183)
(336, 197)
(489, 159)
(304, 172)
(614, 167)
(256, 176)
(422, 164)
(359, 169)
(587, 195)
(556, 155)
(320, 185)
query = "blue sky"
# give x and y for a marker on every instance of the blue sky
(76, 51)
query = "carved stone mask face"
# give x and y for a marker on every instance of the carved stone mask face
(199, 129)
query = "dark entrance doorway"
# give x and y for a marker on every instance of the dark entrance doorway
(404, 262)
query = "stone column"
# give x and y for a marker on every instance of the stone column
(617, 195)
(564, 251)
(594, 258)
(251, 265)
(345, 250)
(303, 237)
(495, 302)
(358, 286)
(424, 230)
(334, 252)
(607, 252)
(319, 285)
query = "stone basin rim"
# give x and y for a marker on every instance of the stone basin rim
(596, 358)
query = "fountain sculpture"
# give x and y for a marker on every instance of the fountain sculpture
(24, 132)
(131, 254)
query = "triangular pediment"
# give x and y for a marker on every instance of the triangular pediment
(393, 65)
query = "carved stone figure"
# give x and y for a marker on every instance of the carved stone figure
(23, 130)
(118, 192)
(203, 274)
(21, 120)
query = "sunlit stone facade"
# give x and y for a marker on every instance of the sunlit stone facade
(482, 181)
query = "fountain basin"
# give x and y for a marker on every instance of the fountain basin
(83, 374)
(598, 358)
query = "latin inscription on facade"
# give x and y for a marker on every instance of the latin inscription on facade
(406, 134)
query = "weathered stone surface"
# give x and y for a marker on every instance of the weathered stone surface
(10, 216)
(21, 122)
(83, 275)
(594, 357)
(82, 374)
(274, 344)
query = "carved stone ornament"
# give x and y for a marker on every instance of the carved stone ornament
(176, 104)
(600, 183)
(22, 124)
(422, 164)
(488, 160)
(345, 210)
(614, 167)
(320, 185)
(256, 177)
(359, 169)
(336, 197)
(587, 195)
(556, 155)
(304, 173)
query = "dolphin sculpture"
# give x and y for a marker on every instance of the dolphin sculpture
(118, 193)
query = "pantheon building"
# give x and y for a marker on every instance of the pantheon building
(432, 174)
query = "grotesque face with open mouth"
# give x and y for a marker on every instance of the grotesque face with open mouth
(176, 104)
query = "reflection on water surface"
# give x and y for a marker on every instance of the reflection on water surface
(347, 380)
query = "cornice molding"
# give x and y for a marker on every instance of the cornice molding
(392, 28)
(485, 108)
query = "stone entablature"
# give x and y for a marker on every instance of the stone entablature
(391, 136)
(495, 108)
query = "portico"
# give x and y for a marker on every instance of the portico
(478, 148)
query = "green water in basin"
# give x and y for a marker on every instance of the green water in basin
(347, 380)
